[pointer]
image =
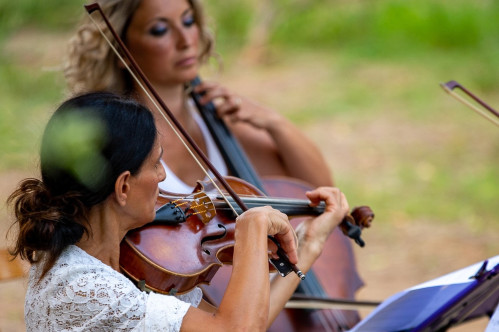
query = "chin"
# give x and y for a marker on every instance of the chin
(190, 73)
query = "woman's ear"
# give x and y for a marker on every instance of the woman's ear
(122, 187)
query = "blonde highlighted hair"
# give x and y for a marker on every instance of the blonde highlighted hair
(91, 64)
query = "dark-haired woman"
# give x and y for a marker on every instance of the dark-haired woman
(100, 169)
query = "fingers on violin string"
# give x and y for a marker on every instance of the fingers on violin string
(327, 194)
(344, 202)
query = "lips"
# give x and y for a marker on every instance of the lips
(189, 61)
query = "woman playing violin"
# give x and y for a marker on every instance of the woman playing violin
(100, 168)
(170, 41)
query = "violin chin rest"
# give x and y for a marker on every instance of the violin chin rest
(170, 214)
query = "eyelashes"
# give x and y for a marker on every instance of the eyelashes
(162, 28)
(158, 31)
(188, 21)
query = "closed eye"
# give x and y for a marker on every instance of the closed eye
(159, 29)
(188, 21)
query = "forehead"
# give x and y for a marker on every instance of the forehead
(149, 9)
(157, 149)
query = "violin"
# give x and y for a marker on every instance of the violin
(193, 236)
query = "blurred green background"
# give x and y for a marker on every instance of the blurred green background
(359, 77)
(381, 60)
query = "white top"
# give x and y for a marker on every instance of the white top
(172, 183)
(80, 293)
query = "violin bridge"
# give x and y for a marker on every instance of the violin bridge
(203, 207)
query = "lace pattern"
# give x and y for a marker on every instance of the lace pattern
(80, 293)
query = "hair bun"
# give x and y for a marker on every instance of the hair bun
(45, 220)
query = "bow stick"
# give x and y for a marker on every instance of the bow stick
(283, 265)
(449, 86)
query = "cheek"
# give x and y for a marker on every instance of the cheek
(195, 37)
(150, 54)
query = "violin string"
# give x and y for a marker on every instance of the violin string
(143, 88)
(177, 205)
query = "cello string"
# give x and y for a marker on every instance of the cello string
(162, 113)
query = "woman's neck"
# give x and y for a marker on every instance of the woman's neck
(104, 236)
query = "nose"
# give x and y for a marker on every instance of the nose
(161, 173)
(183, 38)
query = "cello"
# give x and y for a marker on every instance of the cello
(239, 165)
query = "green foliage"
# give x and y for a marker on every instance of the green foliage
(46, 14)
(26, 96)
(230, 21)
(387, 26)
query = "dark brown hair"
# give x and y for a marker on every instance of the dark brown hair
(88, 142)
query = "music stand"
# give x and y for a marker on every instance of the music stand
(439, 304)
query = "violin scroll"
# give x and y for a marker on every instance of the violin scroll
(363, 216)
(360, 217)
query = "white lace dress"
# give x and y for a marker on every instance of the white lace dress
(80, 293)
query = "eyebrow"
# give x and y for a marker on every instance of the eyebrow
(163, 19)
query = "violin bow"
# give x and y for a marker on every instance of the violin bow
(451, 85)
(301, 301)
(284, 266)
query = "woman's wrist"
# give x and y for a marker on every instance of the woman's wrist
(308, 252)
(276, 123)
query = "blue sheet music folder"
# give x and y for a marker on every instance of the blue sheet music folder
(439, 303)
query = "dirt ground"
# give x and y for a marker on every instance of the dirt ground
(397, 255)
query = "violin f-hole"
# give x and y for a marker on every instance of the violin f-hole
(213, 238)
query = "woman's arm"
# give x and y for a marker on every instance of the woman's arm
(245, 304)
(274, 145)
(312, 235)
(282, 150)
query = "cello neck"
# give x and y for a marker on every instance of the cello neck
(233, 154)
